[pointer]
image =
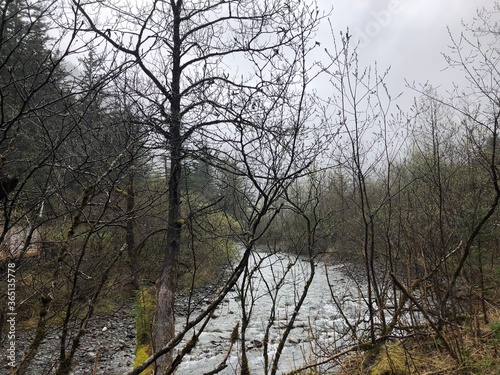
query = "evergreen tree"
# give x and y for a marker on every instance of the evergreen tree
(31, 85)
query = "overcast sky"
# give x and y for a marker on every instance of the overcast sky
(409, 36)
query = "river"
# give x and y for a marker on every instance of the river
(317, 330)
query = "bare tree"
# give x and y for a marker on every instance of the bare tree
(227, 82)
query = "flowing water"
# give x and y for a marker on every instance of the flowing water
(280, 278)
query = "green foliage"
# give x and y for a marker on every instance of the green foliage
(30, 86)
(24, 56)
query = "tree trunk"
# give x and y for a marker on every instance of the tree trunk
(133, 256)
(164, 325)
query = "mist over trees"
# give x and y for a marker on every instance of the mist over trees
(153, 150)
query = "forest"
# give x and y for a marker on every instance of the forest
(208, 171)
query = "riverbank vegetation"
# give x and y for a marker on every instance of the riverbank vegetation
(417, 206)
(147, 165)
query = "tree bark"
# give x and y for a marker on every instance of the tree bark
(133, 256)
(164, 325)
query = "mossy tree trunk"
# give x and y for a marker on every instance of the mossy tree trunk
(145, 305)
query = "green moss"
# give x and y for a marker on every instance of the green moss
(142, 352)
(392, 359)
(145, 308)
(304, 372)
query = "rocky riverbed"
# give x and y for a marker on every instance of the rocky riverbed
(106, 348)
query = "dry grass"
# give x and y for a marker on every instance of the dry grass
(477, 348)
